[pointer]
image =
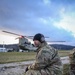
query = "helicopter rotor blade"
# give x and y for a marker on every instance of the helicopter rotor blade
(18, 34)
(56, 41)
(11, 33)
(33, 36)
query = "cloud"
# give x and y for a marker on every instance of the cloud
(51, 17)
(6, 39)
(67, 22)
(6, 12)
(47, 2)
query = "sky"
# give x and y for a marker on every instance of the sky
(52, 18)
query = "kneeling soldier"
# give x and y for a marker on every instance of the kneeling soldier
(47, 60)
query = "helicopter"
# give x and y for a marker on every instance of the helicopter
(24, 43)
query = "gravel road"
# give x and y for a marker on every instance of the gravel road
(19, 67)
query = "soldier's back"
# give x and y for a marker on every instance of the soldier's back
(72, 62)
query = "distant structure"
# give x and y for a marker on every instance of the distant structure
(3, 49)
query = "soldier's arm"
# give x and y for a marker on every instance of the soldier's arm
(43, 58)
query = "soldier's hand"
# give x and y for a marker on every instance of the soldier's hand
(26, 69)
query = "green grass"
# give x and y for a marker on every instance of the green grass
(8, 57)
(63, 53)
(16, 56)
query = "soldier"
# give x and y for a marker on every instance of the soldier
(47, 60)
(72, 62)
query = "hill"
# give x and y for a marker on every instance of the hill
(57, 46)
(62, 47)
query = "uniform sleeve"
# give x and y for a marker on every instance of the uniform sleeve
(42, 59)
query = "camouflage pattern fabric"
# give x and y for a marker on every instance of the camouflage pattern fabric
(72, 62)
(46, 55)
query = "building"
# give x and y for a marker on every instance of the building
(3, 49)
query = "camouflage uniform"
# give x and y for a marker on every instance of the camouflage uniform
(72, 62)
(47, 62)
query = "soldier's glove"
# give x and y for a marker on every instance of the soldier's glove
(26, 69)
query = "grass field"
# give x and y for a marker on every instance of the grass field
(63, 53)
(8, 57)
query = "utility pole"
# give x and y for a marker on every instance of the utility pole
(3, 46)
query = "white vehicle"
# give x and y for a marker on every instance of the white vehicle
(3, 50)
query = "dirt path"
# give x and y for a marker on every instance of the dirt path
(19, 67)
(14, 68)
(12, 71)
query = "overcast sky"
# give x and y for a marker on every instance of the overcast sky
(53, 18)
